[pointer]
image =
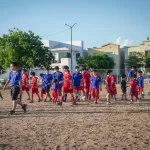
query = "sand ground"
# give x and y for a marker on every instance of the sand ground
(86, 126)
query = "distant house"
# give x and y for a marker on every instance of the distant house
(112, 50)
(62, 52)
(131, 50)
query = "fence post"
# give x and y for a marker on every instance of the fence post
(117, 77)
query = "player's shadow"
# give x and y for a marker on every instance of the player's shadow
(38, 113)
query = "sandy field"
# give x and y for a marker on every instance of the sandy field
(86, 126)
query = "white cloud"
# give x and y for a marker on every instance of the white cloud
(123, 43)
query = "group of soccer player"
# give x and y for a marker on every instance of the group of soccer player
(83, 84)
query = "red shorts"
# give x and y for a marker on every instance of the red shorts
(43, 92)
(25, 88)
(54, 94)
(108, 89)
(140, 89)
(78, 88)
(34, 90)
(67, 90)
(113, 90)
(134, 93)
(95, 91)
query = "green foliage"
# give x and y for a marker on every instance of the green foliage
(147, 61)
(99, 61)
(25, 48)
(138, 60)
(80, 61)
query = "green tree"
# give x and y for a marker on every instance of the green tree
(99, 61)
(25, 48)
(138, 60)
(147, 61)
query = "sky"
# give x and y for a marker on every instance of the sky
(124, 22)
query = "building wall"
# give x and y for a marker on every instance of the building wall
(112, 49)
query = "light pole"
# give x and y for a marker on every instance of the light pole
(71, 41)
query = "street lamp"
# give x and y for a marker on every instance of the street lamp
(71, 41)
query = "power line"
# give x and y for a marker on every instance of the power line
(53, 33)
(56, 32)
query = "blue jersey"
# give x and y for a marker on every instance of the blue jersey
(95, 81)
(58, 76)
(47, 78)
(14, 78)
(54, 86)
(130, 73)
(140, 81)
(76, 77)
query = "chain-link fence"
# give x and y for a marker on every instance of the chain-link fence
(118, 73)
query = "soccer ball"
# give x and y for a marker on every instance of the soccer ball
(83, 98)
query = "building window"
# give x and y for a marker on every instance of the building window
(77, 55)
(147, 52)
(64, 55)
(132, 53)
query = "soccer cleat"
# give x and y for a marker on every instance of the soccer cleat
(50, 99)
(24, 108)
(60, 104)
(95, 102)
(28, 98)
(131, 102)
(31, 101)
(44, 100)
(1, 98)
(108, 103)
(138, 101)
(39, 100)
(12, 112)
(74, 103)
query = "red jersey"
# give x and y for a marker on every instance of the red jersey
(67, 77)
(86, 76)
(108, 81)
(34, 82)
(133, 85)
(113, 80)
(25, 79)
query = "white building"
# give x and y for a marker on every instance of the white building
(62, 52)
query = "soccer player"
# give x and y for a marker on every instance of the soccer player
(134, 88)
(86, 82)
(47, 79)
(95, 86)
(34, 87)
(76, 78)
(59, 76)
(67, 86)
(54, 89)
(113, 86)
(124, 86)
(108, 85)
(43, 91)
(140, 81)
(16, 87)
(1, 97)
(25, 82)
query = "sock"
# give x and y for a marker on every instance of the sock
(32, 96)
(62, 99)
(72, 98)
